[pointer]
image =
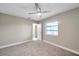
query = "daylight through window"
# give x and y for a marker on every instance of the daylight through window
(52, 28)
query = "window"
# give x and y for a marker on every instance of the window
(52, 28)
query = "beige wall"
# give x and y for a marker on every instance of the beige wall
(14, 29)
(68, 29)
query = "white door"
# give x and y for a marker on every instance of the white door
(36, 31)
(39, 31)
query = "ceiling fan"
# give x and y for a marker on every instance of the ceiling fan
(38, 10)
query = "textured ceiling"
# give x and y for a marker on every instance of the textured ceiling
(22, 9)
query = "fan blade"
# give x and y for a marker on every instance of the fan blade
(33, 12)
(45, 11)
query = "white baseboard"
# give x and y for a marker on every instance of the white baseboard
(17, 43)
(67, 49)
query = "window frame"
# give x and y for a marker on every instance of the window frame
(52, 28)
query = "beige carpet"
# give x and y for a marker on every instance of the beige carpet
(34, 48)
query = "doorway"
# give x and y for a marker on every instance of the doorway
(36, 31)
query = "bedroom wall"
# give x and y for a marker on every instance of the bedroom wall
(68, 29)
(14, 29)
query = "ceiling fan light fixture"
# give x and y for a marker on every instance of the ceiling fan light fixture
(39, 14)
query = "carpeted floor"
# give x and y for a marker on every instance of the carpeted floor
(34, 48)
